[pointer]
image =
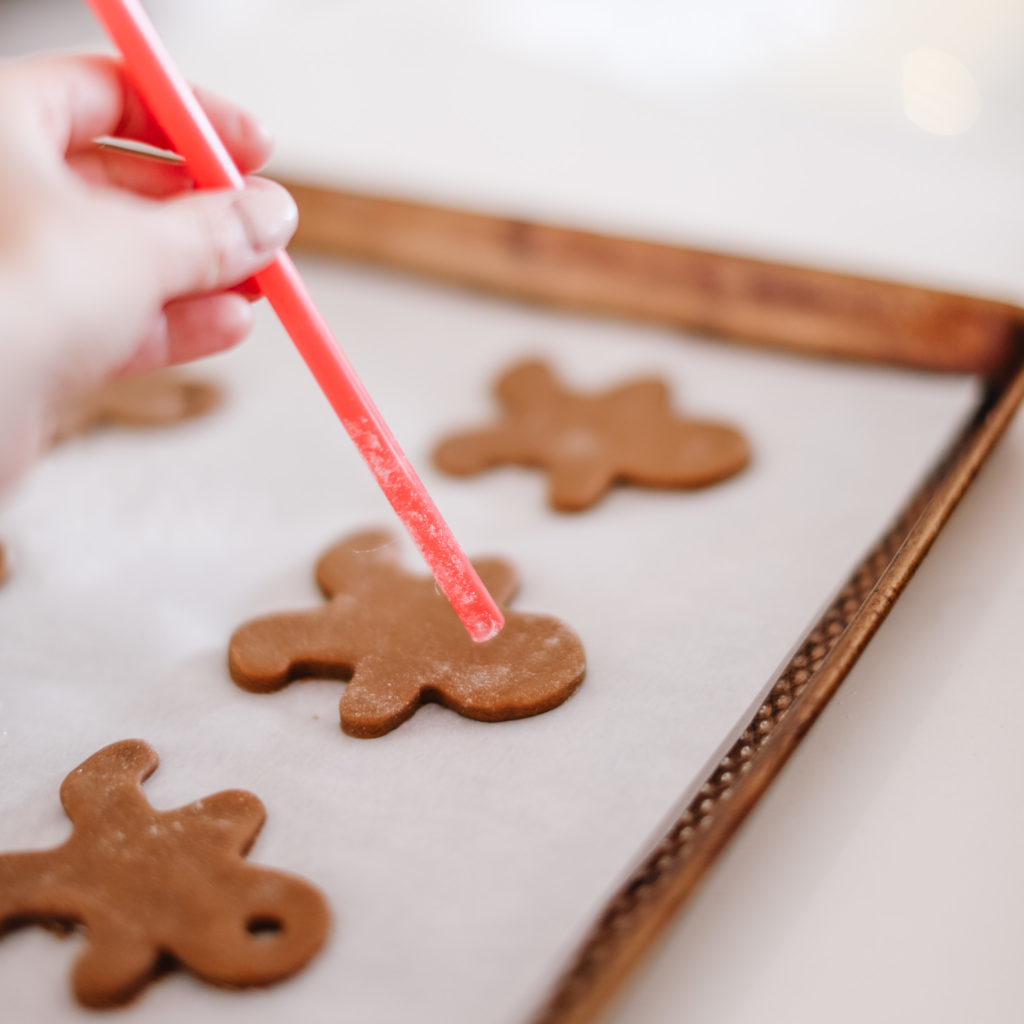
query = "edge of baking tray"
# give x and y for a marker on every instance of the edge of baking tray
(804, 310)
(666, 875)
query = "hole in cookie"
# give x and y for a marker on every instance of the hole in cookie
(264, 927)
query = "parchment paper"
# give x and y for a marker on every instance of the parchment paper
(461, 859)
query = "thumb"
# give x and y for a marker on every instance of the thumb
(211, 240)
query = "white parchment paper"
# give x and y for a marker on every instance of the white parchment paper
(461, 859)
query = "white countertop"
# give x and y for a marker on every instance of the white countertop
(880, 876)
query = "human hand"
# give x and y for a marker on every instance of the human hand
(111, 262)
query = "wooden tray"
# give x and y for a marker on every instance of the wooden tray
(812, 312)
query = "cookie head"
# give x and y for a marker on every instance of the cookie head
(267, 928)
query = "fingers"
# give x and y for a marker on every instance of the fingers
(190, 329)
(247, 139)
(82, 97)
(200, 327)
(159, 294)
(208, 241)
(249, 289)
(146, 176)
(135, 172)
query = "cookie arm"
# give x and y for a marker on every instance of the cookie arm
(229, 820)
(527, 384)
(154, 400)
(499, 577)
(694, 453)
(33, 884)
(111, 778)
(79, 417)
(477, 450)
(268, 653)
(641, 397)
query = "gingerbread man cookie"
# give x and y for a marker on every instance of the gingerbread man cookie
(147, 400)
(397, 643)
(588, 442)
(151, 885)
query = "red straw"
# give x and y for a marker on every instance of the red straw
(185, 123)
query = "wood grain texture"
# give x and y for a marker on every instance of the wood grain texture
(754, 301)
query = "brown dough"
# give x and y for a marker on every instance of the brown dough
(148, 885)
(4, 565)
(147, 400)
(398, 644)
(587, 442)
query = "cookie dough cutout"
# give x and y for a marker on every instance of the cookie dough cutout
(397, 644)
(144, 401)
(151, 885)
(586, 443)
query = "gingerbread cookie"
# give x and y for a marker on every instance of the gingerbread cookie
(397, 643)
(588, 442)
(152, 885)
(147, 400)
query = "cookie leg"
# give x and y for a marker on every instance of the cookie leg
(575, 484)
(113, 967)
(374, 704)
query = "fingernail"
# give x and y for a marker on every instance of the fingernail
(262, 135)
(269, 217)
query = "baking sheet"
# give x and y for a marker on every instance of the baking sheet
(461, 859)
